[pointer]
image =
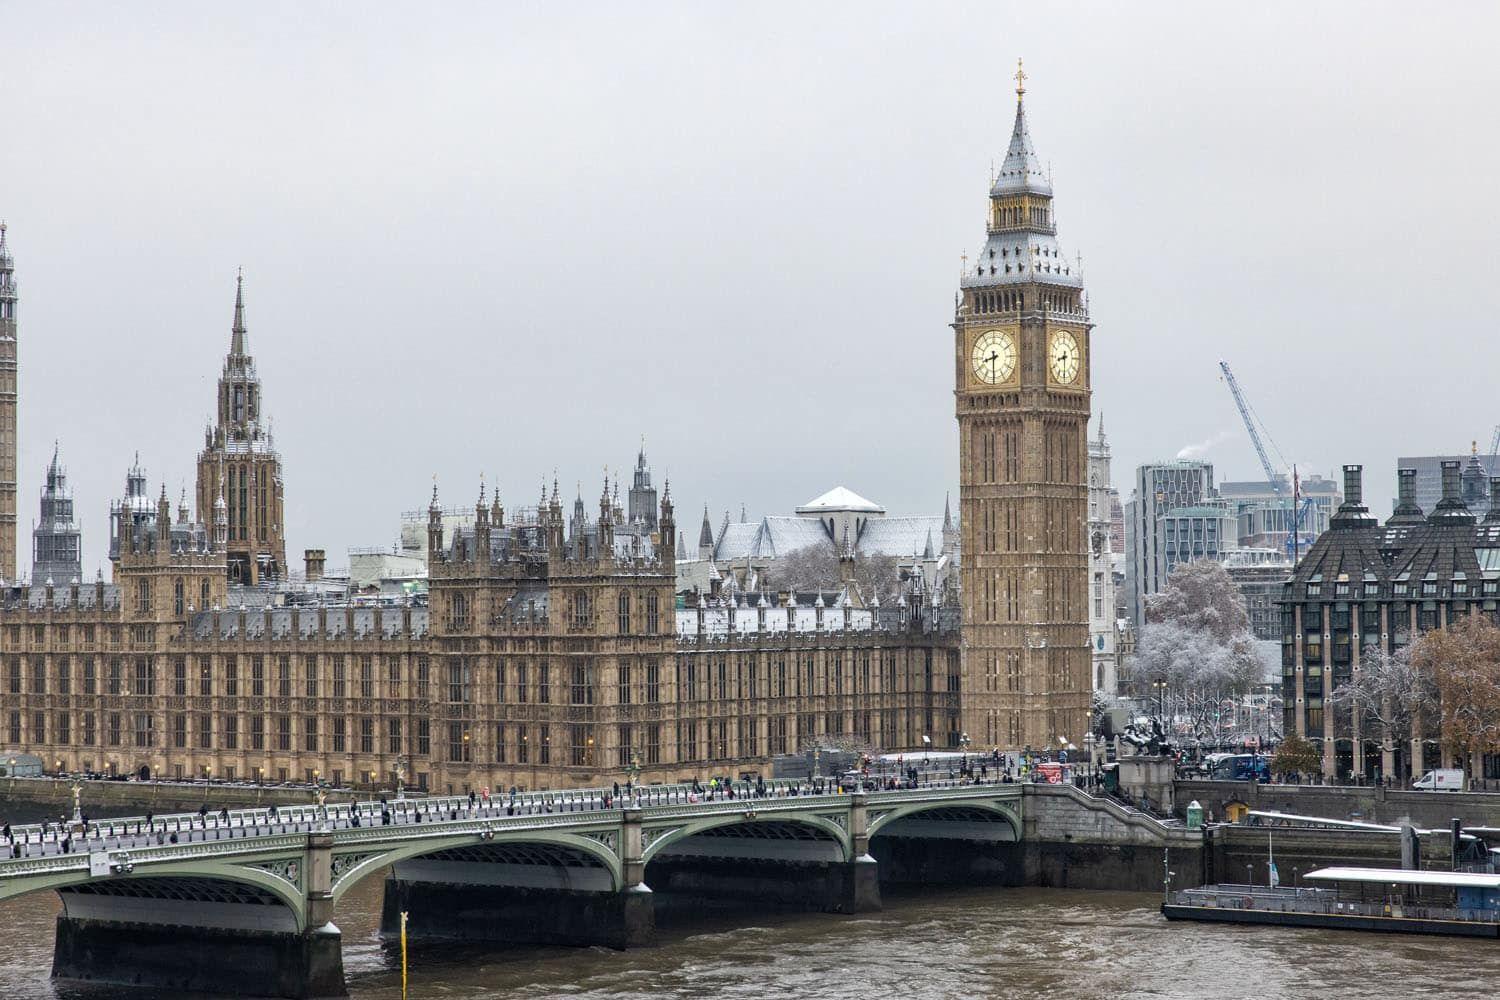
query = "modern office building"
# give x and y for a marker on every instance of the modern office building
(1160, 488)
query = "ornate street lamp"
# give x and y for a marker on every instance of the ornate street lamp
(77, 784)
(402, 762)
(634, 772)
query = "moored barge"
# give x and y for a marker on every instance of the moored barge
(1391, 900)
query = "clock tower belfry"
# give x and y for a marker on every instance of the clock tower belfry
(1021, 392)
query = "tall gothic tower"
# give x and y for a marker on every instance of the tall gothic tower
(1021, 369)
(7, 411)
(239, 466)
(56, 542)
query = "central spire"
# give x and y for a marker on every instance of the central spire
(237, 340)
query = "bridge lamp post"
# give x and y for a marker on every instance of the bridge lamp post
(260, 775)
(401, 765)
(634, 771)
(77, 784)
(963, 745)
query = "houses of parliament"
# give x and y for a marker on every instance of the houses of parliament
(552, 649)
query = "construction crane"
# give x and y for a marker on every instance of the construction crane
(1265, 461)
(1294, 517)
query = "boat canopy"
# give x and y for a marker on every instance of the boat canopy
(1402, 876)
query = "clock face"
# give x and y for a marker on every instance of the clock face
(994, 356)
(1063, 357)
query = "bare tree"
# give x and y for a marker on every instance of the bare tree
(815, 567)
(1296, 755)
(1463, 661)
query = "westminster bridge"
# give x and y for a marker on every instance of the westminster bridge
(244, 900)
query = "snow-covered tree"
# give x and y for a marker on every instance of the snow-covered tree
(1195, 654)
(1390, 693)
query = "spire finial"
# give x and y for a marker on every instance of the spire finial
(1020, 80)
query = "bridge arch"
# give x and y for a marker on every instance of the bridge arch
(184, 881)
(968, 812)
(352, 865)
(769, 826)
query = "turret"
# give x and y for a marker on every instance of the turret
(706, 537)
(481, 529)
(434, 529)
(668, 547)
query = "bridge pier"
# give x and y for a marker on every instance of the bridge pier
(192, 959)
(231, 939)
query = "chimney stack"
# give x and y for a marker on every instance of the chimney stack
(1406, 492)
(313, 560)
(1354, 485)
(1451, 480)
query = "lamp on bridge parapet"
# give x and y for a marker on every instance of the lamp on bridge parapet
(402, 763)
(963, 746)
(77, 784)
(634, 774)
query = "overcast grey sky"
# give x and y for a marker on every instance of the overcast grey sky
(507, 238)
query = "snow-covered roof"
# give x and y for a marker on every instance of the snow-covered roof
(840, 498)
(904, 536)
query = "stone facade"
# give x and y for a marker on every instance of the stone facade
(542, 660)
(1021, 367)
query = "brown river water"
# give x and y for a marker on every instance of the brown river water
(927, 944)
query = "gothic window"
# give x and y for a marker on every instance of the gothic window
(581, 691)
(623, 612)
(653, 613)
(177, 598)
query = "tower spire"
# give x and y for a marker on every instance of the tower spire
(237, 338)
(1022, 169)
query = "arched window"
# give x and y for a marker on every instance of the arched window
(623, 608)
(177, 596)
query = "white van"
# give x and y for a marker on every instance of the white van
(1444, 779)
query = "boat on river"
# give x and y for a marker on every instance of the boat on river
(1392, 900)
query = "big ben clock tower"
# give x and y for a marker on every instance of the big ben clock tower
(1021, 370)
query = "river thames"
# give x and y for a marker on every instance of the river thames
(927, 944)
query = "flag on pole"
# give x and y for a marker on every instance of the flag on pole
(1275, 876)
